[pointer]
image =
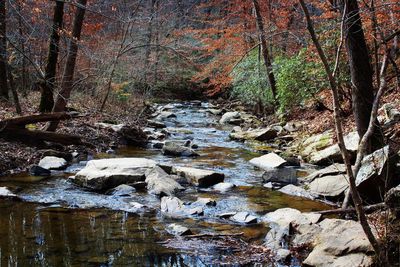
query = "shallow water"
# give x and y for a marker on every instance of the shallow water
(59, 224)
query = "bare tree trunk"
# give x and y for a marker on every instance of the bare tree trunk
(68, 76)
(3, 53)
(361, 72)
(14, 91)
(149, 36)
(264, 47)
(48, 85)
(22, 45)
(339, 132)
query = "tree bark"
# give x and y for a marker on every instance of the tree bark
(48, 85)
(68, 76)
(3, 53)
(264, 48)
(361, 72)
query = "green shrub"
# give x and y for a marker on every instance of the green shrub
(250, 83)
(297, 80)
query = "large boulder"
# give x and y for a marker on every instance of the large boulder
(281, 221)
(374, 174)
(265, 134)
(105, 174)
(174, 149)
(268, 161)
(334, 169)
(160, 183)
(339, 243)
(333, 154)
(53, 163)
(229, 117)
(329, 186)
(199, 177)
(316, 143)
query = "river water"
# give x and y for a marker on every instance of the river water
(60, 224)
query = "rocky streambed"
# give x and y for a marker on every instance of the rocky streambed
(195, 197)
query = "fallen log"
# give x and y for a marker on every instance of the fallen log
(370, 208)
(15, 130)
(21, 122)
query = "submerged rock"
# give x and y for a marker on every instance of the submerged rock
(268, 161)
(36, 170)
(177, 150)
(122, 190)
(104, 174)
(53, 163)
(199, 177)
(160, 183)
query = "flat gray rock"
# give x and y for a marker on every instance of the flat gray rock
(53, 163)
(105, 174)
(199, 177)
(268, 161)
(244, 217)
(329, 186)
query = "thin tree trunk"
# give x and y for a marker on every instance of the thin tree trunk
(264, 47)
(68, 76)
(339, 132)
(14, 91)
(361, 72)
(149, 37)
(3, 52)
(22, 45)
(48, 85)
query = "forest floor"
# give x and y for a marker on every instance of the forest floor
(16, 157)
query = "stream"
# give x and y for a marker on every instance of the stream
(60, 224)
